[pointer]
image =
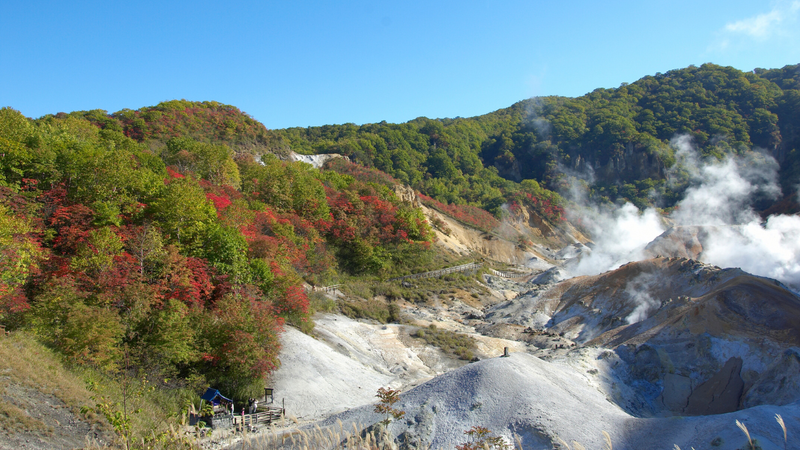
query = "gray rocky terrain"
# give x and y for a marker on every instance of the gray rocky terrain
(662, 352)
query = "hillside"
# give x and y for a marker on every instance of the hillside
(617, 140)
(178, 242)
(182, 260)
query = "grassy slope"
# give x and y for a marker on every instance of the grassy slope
(42, 398)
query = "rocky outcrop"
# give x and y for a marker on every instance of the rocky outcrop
(693, 336)
(680, 242)
(630, 163)
(720, 394)
(464, 240)
(779, 384)
(677, 389)
(315, 160)
(407, 194)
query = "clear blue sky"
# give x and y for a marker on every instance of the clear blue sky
(304, 63)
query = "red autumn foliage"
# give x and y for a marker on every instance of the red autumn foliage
(189, 280)
(73, 224)
(220, 202)
(467, 214)
(293, 300)
(542, 206)
(12, 301)
(367, 216)
(361, 173)
(172, 173)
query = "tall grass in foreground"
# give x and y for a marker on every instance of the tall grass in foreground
(353, 437)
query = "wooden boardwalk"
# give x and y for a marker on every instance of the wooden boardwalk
(509, 274)
(441, 272)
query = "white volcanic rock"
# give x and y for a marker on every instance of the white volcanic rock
(317, 381)
(658, 340)
(349, 360)
(316, 161)
(535, 402)
(519, 395)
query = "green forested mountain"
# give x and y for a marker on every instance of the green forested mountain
(621, 133)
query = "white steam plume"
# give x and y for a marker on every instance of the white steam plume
(637, 290)
(619, 234)
(771, 249)
(720, 193)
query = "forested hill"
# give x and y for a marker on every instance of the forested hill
(208, 122)
(164, 247)
(622, 134)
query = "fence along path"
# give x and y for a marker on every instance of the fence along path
(509, 274)
(268, 417)
(441, 272)
(431, 274)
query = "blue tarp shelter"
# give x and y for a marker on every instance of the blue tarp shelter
(214, 397)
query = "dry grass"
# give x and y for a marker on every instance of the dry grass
(29, 370)
(352, 437)
(15, 420)
(452, 343)
(24, 363)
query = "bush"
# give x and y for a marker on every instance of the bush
(378, 310)
(450, 342)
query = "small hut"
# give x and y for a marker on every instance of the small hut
(219, 401)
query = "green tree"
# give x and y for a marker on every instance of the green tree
(387, 399)
(170, 338)
(183, 212)
(96, 254)
(92, 335)
(15, 156)
(211, 162)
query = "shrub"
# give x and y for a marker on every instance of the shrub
(451, 342)
(470, 215)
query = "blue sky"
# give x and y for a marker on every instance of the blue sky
(306, 63)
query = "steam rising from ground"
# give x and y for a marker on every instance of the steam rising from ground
(637, 290)
(620, 236)
(719, 193)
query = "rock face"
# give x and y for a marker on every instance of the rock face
(779, 384)
(680, 242)
(677, 389)
(629, 162)
(469, 241)
(523, 239)
(406, 194)
(315, 160)
(720, 394)
(697, 339)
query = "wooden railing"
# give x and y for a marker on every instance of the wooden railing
(331, 288)
(441, 272)
(245, 420)
(266, 417)
(508, 274)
